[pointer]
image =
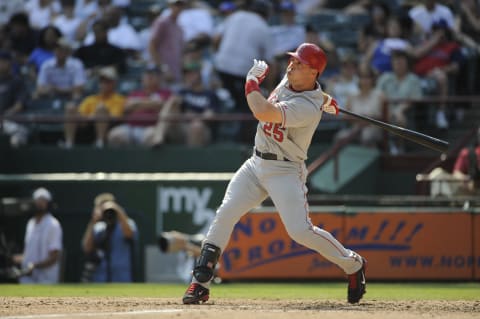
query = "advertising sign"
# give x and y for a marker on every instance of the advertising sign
(187, 207)
(398, 245)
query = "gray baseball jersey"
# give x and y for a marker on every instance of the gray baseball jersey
(283, 181)
(301, 113)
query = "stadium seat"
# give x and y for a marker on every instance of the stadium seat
(46, 106)
(359, 20)
(327, 20)
(128, 84)
(344, 37)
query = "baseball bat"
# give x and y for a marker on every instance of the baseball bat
(416, 137)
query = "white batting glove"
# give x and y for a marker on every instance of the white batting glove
(258, 72)
(330, 105)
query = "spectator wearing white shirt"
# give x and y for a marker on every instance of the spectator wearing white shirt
(67, 22)
(86, 8)
(195, 20)
(42, 12)
(426, 14)
(288, 35)
(62, 75)
(246, 36)
(8, 8)
(121, 3)
(43, 243)
(120, 34)
(306, 7)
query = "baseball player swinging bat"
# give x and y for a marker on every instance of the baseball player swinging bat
(287, 120)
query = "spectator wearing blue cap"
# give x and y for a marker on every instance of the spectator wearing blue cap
(13, 95)
(288, 35)
(225, 9)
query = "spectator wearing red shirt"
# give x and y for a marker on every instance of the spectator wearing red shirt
(467, 167)
(440, 62)
(143, 104)
(166, 41)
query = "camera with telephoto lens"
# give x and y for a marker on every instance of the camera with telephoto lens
(173, 241)
(109, 216)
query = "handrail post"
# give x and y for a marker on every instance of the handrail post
(385, 114)
(335, 167)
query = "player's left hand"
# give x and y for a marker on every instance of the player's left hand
(330, 105)
(258, 72)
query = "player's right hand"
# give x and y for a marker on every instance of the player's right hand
(330, 105)
(258, 72)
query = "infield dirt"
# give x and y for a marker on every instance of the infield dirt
(146, 308)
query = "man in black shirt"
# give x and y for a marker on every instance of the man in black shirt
(196, 99)
(101, 53)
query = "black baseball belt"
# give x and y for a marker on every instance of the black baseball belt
(270, 156)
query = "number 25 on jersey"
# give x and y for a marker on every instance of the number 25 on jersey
(274, 130)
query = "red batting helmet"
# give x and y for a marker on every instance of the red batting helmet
(311, 55)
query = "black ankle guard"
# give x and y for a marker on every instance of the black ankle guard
(203, 271)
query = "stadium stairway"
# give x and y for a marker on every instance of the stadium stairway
(358, 168)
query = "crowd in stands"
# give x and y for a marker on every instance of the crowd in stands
(114, 68)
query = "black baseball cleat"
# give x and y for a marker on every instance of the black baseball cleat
(195, 294)
(357, 284)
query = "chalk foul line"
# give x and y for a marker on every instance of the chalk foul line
(93, 314)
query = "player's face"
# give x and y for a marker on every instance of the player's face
(300, 74)
(41, 205)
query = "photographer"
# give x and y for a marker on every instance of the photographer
(108, 242)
